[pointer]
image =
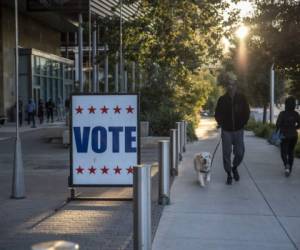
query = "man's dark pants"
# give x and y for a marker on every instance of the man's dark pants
(232, 141)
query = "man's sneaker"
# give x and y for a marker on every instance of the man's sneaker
(229, 180)
(287, 170)
(236, 175)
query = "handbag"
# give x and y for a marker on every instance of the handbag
(276, 138)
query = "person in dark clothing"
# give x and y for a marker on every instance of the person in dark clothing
(31, 109)
(287, 123)
(49, 109)
(232, 114)
(41, 111)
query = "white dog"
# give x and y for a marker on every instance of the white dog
(202, 165)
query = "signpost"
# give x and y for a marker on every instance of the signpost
(104, 139)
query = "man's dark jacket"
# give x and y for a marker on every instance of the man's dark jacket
(232, 114)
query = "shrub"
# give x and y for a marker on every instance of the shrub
(297, 149)
(260, 129)
(251, 124)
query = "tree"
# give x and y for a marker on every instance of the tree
(277, 29)
(171, 41)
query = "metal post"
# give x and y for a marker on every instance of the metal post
(18, 186)
(94, 57)
(117, 76)
(182, 137)
(142, 207)
(106, 70)
(178, 139)
(55, 245)
(185, 134)
(98, 55)
(125, 81)
(173, 153)
(164, 172)
(121, 48)
(80, 52)
(272, 94)
(133, 76)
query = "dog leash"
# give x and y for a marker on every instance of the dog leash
(216, 148)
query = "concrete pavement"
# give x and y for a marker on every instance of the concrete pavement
(95, 225)
(260, 212)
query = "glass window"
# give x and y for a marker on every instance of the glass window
(36, 65)
(48, 67)
(44, 88)
(61, 68)
(54, 89)
(50, 91)
(43, 66)
(36, 81)
(61, 89)
(57, 88)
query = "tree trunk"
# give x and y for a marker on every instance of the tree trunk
(265, 114)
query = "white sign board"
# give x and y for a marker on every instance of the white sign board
(104, 139)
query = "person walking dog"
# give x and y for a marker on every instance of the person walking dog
(232, 114)
(287, 123)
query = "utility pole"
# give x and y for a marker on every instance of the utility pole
(18, 186)
(272, 79)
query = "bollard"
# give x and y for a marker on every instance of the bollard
(173, 153)
(185, 133)
(164, 172)
(178, 139)
(182, 136)
(56, 245)
(142, 236)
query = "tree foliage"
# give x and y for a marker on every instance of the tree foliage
(172, 41)
(273, 39)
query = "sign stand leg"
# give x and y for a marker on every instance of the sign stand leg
(73, 192)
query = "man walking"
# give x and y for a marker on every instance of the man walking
(232, 114)
(31, 109)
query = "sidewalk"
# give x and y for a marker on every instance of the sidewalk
(94, 225)
(261, 211)
(8, 130)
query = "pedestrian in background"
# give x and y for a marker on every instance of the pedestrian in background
(287, 123)
(67, 109)
(31, 109)
(49, 110)
(232, 114)
(41, 111)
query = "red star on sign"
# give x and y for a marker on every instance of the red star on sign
(117, 109)
(130, 170)
(79, 170)
(92, 170)
(130, 109)
(79, 110)
(117, 170)
(91, 110)
(104, 170)
(104, 109)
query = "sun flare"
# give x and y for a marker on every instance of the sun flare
(242, 32)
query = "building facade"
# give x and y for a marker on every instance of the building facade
(46, 62)
(43, 73)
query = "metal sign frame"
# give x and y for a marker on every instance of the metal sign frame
(71, 184)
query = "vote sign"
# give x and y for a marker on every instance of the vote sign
(104, 139)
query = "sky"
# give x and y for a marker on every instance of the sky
(246, 9)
